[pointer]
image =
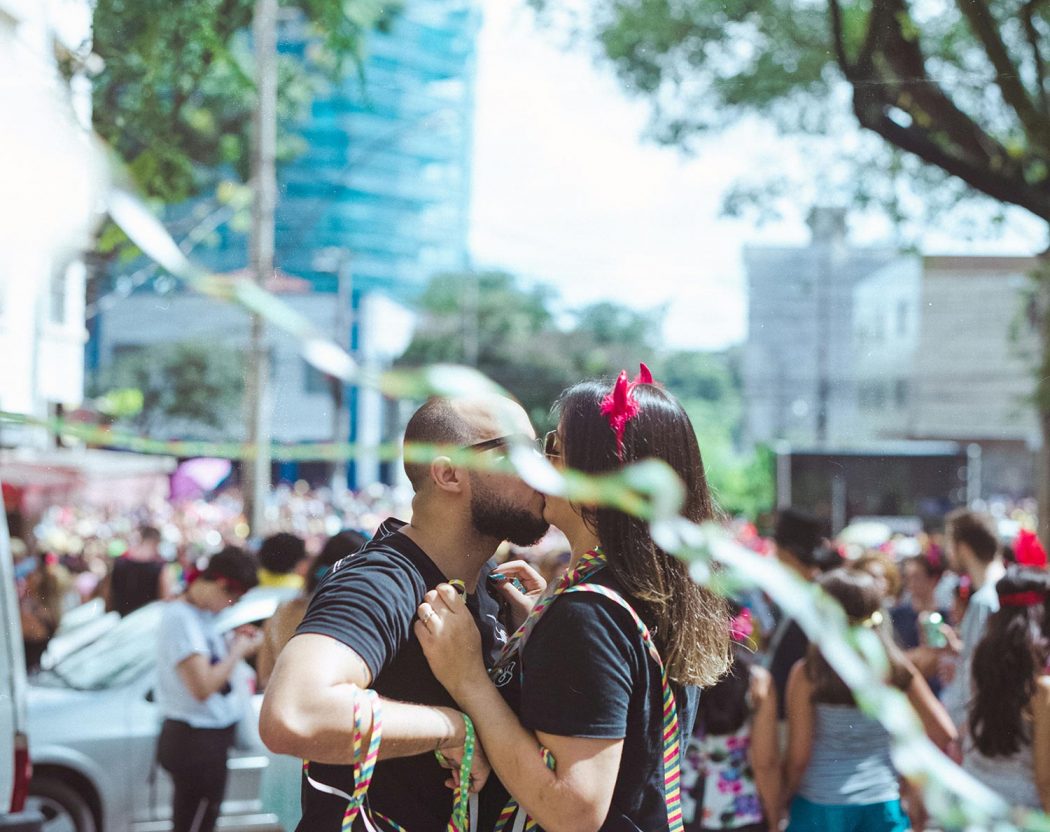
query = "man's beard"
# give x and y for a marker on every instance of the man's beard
(493, 515)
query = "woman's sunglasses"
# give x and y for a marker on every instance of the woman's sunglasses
(550, 445)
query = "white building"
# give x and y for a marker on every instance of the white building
(852, 347)
(944, 351)
(48, 193)
(799, 368)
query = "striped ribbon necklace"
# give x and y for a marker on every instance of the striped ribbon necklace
(464, 805)
(575, 581)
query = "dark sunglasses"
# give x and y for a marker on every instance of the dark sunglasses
(550, 445)
(489, 444)
(503, 441)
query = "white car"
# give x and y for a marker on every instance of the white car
(14, 749)
(93, 728)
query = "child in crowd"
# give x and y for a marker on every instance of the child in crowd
(731, 770)
(917, 619)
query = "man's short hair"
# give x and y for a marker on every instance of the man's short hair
(232, 564)
(149, 533)
(976, 530)
(437, 422)
(281, 552)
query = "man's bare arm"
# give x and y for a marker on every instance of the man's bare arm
(308, 708)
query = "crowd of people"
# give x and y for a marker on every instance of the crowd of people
(445, 664)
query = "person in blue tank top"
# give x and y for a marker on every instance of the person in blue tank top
(838, 773)
(608, 664)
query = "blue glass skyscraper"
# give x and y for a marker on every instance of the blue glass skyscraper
(380, 193)
(386, 173)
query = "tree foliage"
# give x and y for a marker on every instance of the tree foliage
(521, 340)
(960, 87)
(174, 97)
(956, 94)
(512, 335)
(187, 389)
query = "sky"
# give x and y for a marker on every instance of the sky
(568, 191)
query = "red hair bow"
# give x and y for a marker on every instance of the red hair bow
(620, 406)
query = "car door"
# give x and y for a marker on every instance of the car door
(14, 745)
(151, 796)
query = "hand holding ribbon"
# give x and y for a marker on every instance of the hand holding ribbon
(468, 760)
(520, 586)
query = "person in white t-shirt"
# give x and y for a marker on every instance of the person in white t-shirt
(973, 550)
(194, 667)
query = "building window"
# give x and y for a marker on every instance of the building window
(314, 381)
(900, 393)
(879, 333)
(902, 317)
(57, 305)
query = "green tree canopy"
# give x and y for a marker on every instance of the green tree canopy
(509, 332)
(175, 95)
(188, 390)
(956, 93)
(513, 334)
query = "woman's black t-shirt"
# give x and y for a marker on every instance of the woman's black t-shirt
(587, 673)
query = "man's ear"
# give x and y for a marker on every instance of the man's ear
(446, 476)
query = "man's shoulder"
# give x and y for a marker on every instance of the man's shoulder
(384, 554)
(390, 552)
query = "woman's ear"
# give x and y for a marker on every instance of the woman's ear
(445, 475)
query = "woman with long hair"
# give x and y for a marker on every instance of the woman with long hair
(1008, 748)
(599, 685)
(838, 768)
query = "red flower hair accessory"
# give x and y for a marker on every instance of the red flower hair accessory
(620, 406)
(1028, 550)
(741, 627)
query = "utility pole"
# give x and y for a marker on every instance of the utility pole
(340, 411)
(471, 318)
(261, 244)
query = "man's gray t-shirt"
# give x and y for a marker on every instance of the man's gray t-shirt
(983, 603)
(186, 630)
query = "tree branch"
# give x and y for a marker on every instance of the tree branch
(838, 37)
(1032, 34)
(896, 66)
(1007, 75)
(1012, 189)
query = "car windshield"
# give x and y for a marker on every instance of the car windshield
(123, 653)
(115, 658)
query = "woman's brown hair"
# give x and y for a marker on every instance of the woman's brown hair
(859, 595)
(1011, 654)
(690, 624)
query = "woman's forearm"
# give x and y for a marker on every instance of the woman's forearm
(767, 780)
(792, 780)
(517, 758)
